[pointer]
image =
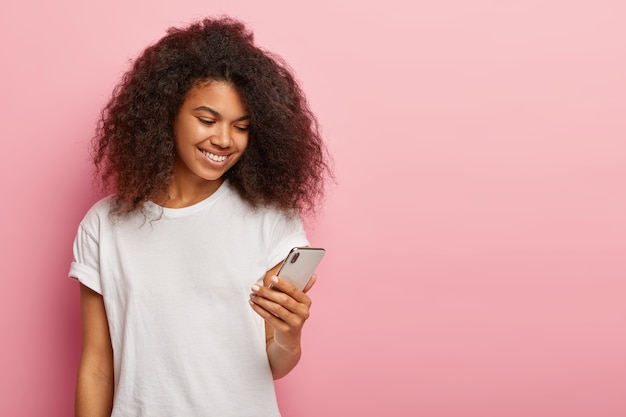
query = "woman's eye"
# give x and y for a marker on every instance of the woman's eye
(242, 128)
(207, 122)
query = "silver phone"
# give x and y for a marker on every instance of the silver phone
(300, 264)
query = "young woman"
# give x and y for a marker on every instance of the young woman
(213, 156)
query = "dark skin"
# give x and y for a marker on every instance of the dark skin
(94, 386)
(285, 309)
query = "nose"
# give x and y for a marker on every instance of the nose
(222, 137)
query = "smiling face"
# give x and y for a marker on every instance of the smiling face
(211, 134)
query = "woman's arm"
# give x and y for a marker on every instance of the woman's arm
(94, 386)
(285, 312)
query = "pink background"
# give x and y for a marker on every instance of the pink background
(476, 235)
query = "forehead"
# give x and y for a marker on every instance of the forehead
(219, 95)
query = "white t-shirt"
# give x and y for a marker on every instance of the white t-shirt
(185, 340)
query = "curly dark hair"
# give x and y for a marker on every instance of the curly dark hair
(285, 164)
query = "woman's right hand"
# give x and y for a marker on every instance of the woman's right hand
(94, 387)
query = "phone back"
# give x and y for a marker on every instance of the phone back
(300, 264)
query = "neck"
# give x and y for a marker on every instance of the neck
(183, 194)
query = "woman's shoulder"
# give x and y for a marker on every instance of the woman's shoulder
(102, 206)
(99, 211)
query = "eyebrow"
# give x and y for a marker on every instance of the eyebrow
(217, 114)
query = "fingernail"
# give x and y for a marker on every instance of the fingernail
(255, 288)
(274, 279)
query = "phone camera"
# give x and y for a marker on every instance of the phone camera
(295, 257)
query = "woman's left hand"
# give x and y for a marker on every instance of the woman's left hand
(285, 309)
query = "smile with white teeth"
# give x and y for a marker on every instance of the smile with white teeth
(213, 157)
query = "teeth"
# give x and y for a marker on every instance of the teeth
(213, 157)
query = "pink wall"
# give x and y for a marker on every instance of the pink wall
(477, 233)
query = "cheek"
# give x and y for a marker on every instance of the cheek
(242, 143)
(186, 135)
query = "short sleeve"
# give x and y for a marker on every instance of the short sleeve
(288, 232)
(85, 266)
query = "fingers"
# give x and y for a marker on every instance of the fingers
(288, 288)
(281, 297)
(284, 306)
(282, 321)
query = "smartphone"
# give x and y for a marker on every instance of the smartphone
(300, 264)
